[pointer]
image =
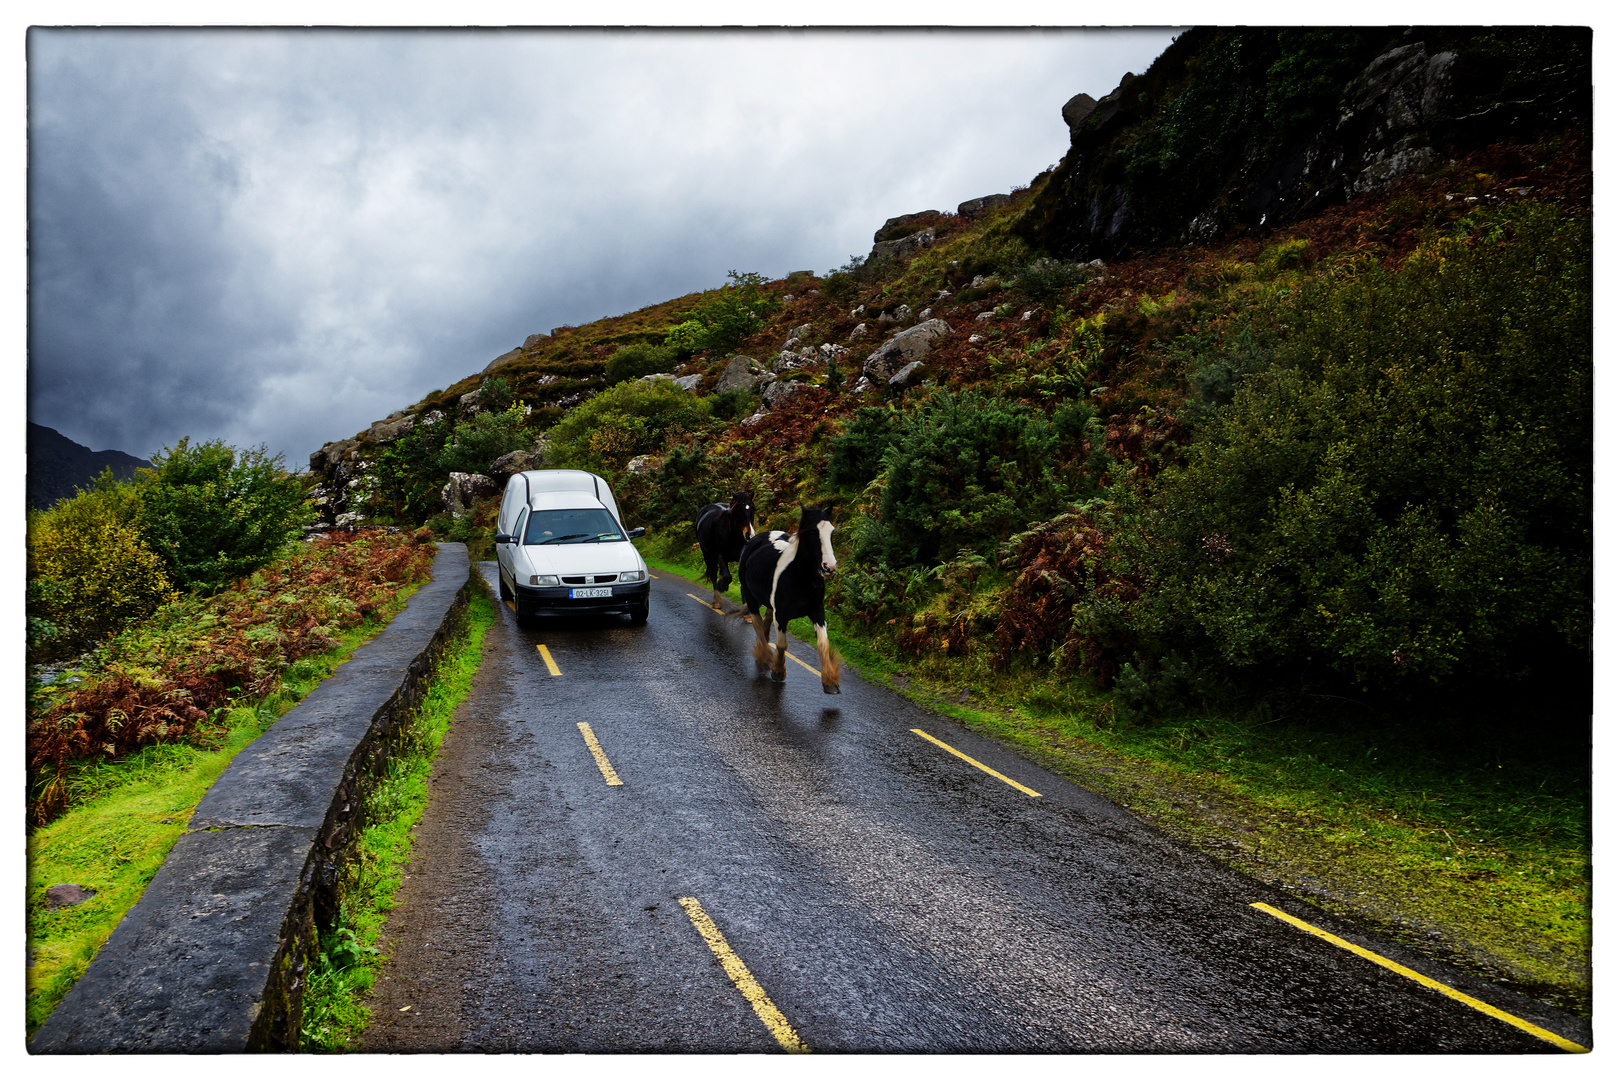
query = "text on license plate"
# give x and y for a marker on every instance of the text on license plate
(589, 594)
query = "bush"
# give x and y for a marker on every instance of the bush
(215, 513)
(1402, 496)
(407, 475)
(91, 572)
(623, 422)
(633, 361)
(725, 317)
(1044, 280)
(963, 472)
(854, 456)
(474, 446)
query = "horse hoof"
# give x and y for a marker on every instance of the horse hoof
(832, 689)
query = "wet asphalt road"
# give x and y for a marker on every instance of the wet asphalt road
(884, 894)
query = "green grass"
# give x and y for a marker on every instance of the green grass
(128, 814)
(334, 1011)
(1483, 840)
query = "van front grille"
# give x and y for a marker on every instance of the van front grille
(598, 579)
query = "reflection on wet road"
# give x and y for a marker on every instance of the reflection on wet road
(876, 890)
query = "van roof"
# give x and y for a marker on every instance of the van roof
(542, 482)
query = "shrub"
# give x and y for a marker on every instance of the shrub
(91, 572)
(1044, 280)
(1403, 495)
(726, 316)
(633, 361)
(407, 475)
(215, 513)
(854, 456)
(473, 447)
(965, 470)
(623, 422)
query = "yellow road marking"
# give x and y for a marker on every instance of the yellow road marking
(800, 663)
(600, 755)
(654, 577)
(705, 603)
(513, 608)
(789, 1039)
(546, 653)
(1432, 984)
(979, 764)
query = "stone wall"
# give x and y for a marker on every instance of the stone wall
(214, 957)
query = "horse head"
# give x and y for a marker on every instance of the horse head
(815, 522)
(741, 511)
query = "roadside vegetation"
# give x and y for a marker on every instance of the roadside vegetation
(124, 745)
(334, 1011)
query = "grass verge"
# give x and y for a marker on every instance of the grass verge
(1472, 849)
(334, 1012)
(131, 813)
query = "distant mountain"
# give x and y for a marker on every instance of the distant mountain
(58, 466)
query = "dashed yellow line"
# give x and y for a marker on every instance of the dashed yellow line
(600, 755)
(512, 606)
(800, 663)
(721, 611)
(705, 603)
(546, 654)
(777, 1024)
(1432, 984)
(979, 764)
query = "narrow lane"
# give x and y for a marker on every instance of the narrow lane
(884, 893)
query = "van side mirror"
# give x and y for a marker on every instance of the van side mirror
(637, 532)
(502, 538)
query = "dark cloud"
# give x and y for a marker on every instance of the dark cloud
(280, 236)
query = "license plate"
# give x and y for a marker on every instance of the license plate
(589, 594)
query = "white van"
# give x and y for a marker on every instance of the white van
(563, 550)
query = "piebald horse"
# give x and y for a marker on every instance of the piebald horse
(722, 529)
(787, 572)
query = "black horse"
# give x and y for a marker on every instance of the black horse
(722, 529)
(786, 572)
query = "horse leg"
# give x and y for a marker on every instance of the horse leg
(779, 672)
(722, 582)
(761, 650)
(831, 665)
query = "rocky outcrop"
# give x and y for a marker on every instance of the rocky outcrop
(503, 359)
(982, 205)
(779, 390)
(902, 348)
(1137, 175)
(743, 373)
(905, 245)
(908, 376)
(903, 225)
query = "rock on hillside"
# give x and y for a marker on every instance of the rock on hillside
(58, 466)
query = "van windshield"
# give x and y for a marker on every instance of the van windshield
(582, 526)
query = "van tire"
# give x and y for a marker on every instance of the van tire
(639, 612)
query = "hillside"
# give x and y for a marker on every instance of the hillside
(58, 466)
(1255, 439)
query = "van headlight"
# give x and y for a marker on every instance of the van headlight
(632, 575)
(543, 579)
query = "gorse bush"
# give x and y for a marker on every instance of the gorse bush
(214, 513)
(1402, 496)
(90, 569)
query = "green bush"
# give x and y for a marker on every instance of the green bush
(473, 447)
(215, 513)
(1402, 496)
(726, 316)
(963, 472)
(625, 421)
(633, 361)
(854, 455)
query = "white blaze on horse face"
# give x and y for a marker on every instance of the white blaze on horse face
(828, 557)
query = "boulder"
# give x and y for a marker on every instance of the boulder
(905, 245)
(331, 454)
(861, 385)
(463, 488)
(469, 404)
(902, 225)
(739, 375)
(1077, 111)
(532, 340)
(780, 390)
(984, 203)
(503, 359)
(384, 431)
(903, 347)
(644, 464)
(508, 465)
(907, 376)
(858, 331)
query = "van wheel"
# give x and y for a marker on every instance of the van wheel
(639, 612)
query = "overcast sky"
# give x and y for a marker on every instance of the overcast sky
(279, 236)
